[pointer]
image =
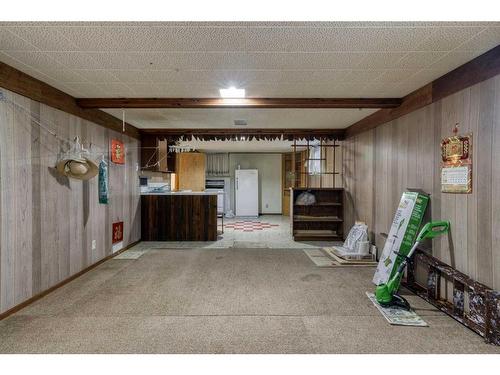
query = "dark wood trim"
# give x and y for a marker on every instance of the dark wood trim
(475, 71)
(62, 283)
(257, 103)
(417, 99)
(255, 133)
(23, 84)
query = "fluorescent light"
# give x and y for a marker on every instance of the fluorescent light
(232, 92)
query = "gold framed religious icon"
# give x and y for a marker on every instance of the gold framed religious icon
(456, 164)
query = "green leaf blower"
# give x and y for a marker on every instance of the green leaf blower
(386, 294)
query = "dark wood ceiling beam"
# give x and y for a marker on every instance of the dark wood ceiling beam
(475, 71)
(251, 133)
(23, 84)
(256, 103)
(417, 99)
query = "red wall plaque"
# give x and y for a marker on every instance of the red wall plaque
(118, 232)
(117, 152)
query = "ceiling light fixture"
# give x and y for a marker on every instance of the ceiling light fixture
(232, 92)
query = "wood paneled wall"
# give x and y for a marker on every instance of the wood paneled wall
(381, 163)
(48, 222)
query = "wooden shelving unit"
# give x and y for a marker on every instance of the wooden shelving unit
(322, 221)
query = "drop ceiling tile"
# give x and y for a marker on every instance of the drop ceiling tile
(291, 39)
(383, 60)
(219, 77)
(447, 38)
(97, 75)
(65, 75)
(420, 60)
(39, 60)
(169, 61)
(115, 61)
(316, 76)
(325, 60)
(74, 60)
(156, 38)
(42, 76)
(114, 89)
(202, 38)
(84, 90)
(11, 42)
(483, 41)
(144, 89)
(44, 38)
(381, 89)
(364, 76)
(423, 77)
(107, 38)
(6, 59)
(191, 90)
(301, 90)
(394, 76)
(35, 73)
(131, 76)
(268, 59)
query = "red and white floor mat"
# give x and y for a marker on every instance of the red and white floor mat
(249, 226)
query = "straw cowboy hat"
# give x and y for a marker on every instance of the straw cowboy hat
(76, 164)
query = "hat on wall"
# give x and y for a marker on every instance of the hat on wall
(76, 163)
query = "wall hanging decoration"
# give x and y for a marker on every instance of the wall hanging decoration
(456, 164)
(117, 236)
(76, 163)
(103, 182)
(117, 231)
(117, 152)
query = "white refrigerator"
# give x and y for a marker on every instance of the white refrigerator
(246, 192)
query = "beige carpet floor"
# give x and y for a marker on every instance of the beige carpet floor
(224, 301)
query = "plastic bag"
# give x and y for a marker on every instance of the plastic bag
(305, 199)
(357, 234)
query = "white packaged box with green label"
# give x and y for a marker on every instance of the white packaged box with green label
(404, 230)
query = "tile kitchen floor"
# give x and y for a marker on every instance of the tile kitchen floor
(266, 231)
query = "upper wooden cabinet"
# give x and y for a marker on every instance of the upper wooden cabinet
(190, 171)
(155, 156)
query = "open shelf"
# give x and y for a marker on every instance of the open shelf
(316, 218)
(320, 221)
(316, 235)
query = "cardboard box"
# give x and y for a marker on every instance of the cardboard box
(402, 235)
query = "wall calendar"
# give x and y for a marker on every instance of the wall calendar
(456, 164)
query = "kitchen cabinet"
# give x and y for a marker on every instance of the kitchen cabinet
(190, 171)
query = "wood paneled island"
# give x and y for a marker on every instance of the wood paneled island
(179, 216)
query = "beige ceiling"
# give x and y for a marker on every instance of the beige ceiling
(256, 118)
(191, 59)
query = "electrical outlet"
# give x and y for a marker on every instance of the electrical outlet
(267, 205)
(94, 244)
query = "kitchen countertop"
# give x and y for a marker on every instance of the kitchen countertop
(180, 193)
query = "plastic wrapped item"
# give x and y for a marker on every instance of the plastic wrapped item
(357, 239)
(305, 199)
(356, 245)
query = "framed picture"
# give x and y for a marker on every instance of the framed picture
(117, 152)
